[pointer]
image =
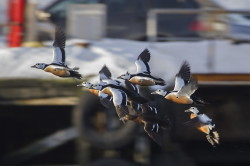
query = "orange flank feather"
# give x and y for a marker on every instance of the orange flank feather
(107, 91)
(192, 116)
(94, 91)
(142, 82)
(179, 100)
(57, 72)
(204, 129)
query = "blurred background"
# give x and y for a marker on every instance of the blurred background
(47, 120)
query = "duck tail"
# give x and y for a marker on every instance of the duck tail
(75, 74)
(213, 138)
(161, 82)
(76, 68)
(199, 101)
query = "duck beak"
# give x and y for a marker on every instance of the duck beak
(154, 93)
(34, 66)
(79, 85)
(188, 110)
(119, 77)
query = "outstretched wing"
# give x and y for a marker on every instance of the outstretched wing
(142, 62)
(184, 72)
(106, 100)
(155, 135)
(59, 45)
(147, 109)
(199, 121)
(183, 76)
(190, 88)
(131, 87)
(121, 111)
(120, 102)
(104, 73)
(195, 122)
(204, 119)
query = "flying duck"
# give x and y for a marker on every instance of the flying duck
(130, 89)
(105, 77)
(88, 86)
(143, 75)
(184, 87)
(153, 124)
(105, 99)
(58, 66)
(119, 98)
(204, 124)
(181, 96)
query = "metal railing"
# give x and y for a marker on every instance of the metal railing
(211, 47)
(153, 14)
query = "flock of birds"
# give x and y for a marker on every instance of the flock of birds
(126, 98)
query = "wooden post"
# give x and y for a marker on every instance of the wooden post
(152, 26)
(30, 21)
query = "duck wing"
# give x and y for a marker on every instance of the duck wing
(142, 62)
(104, 73)
(190, 88)
(199, 121)
(147, 109)
(133, 92)
(120, 102)
(195, 122)
(106, 100)
(153, 133)
(59, 57)
(131, 87)
(182, 78)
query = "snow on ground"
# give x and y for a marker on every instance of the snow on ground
(119, 55)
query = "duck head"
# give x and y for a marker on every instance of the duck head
(126, 76)
(39, 65)
(86, 85)
(192, 110)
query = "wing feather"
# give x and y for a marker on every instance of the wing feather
(195, 122)
(182, 78)
(146, 109)
(104, 73)
(153, 134)
(106, 100)
(131, 87)
(179, 83)
(120, 102)
(184, 72)
(142, 62)
(190, 88)
(59, 45)
(199, 121)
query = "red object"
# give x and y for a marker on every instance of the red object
(198, 26)
(16, 19)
